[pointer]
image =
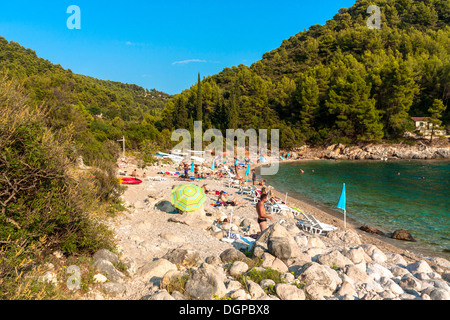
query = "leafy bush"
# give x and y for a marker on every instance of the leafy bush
(40, 195)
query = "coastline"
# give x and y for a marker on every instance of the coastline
(156, 243)
(327, 215)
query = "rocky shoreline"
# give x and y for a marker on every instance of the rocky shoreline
(420, 151)
(181, 257)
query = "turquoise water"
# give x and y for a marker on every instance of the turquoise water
(416, 200)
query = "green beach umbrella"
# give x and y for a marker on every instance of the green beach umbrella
(188, 197)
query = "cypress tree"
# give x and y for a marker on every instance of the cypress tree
(199, 100)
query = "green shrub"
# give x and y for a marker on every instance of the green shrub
(41, 196)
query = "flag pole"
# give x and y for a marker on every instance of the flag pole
(345, 219)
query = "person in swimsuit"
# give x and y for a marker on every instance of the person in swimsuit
(208, 191)
(223, 200)
(262, 216)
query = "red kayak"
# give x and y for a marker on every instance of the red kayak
(129, 180)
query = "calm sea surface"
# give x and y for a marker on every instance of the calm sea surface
(417, 199)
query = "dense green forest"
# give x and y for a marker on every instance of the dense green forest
(96, 111)
(338, 82)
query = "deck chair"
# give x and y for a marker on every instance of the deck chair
(231, 183)
(157, 178)
(255, 194)
(245, 190)
(319, 227)
(303, 221)
(279, 207)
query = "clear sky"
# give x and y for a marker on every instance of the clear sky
(159, 44)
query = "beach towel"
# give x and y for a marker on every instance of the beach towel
(248, 240)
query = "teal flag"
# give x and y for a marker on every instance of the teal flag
(192, 166)
(248, 170)
(213, 165)
(342, 200)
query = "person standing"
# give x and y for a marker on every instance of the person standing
(253, 176)
(186, 170)
(261, 211)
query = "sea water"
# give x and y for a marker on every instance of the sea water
(392, 195)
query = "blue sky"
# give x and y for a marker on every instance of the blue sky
(159, 44)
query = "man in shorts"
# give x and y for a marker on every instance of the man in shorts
(262, 216)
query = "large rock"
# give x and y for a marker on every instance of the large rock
(377, 271)
(403, 234)
(161, 295)
(356, 255)
(231, 255)
(280, 241)
(334, 259)
(255, 290)
(390, 285)
(280, 248)
(289, 292)
(206, 282)
(108, 269)
(419, 267)
(166, 206)
(155, 270)
(440, 294)
(322, 279)
(238, 268)
(357, 275)
(408, 283)
(371, 229)
(182, 256)
(106, 255)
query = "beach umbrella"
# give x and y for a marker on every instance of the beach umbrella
(188, 197)
(342, 204)
(213, 165)
(192, 167)
(248, 170)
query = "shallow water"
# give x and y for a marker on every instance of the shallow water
(417, 199)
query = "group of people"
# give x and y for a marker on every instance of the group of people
(134, 174)
(265, 193)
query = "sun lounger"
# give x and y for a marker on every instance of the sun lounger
(245, 190)
(231, 183)
(156, 178)
(319, 227)
(303, 221)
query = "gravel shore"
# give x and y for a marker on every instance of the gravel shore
(145, 233)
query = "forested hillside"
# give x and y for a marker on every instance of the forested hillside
(340, 82)
(96, 111)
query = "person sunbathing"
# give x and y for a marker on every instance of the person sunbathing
(223, 200)
(208, 191)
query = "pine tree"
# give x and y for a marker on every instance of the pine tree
(199, 100)
(436, 112)
(232, 112)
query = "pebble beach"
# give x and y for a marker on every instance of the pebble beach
(158, 244)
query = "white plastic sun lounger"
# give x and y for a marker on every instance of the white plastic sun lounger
(156, 178)
(319, 227)
(303, 222)
(245, 190)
